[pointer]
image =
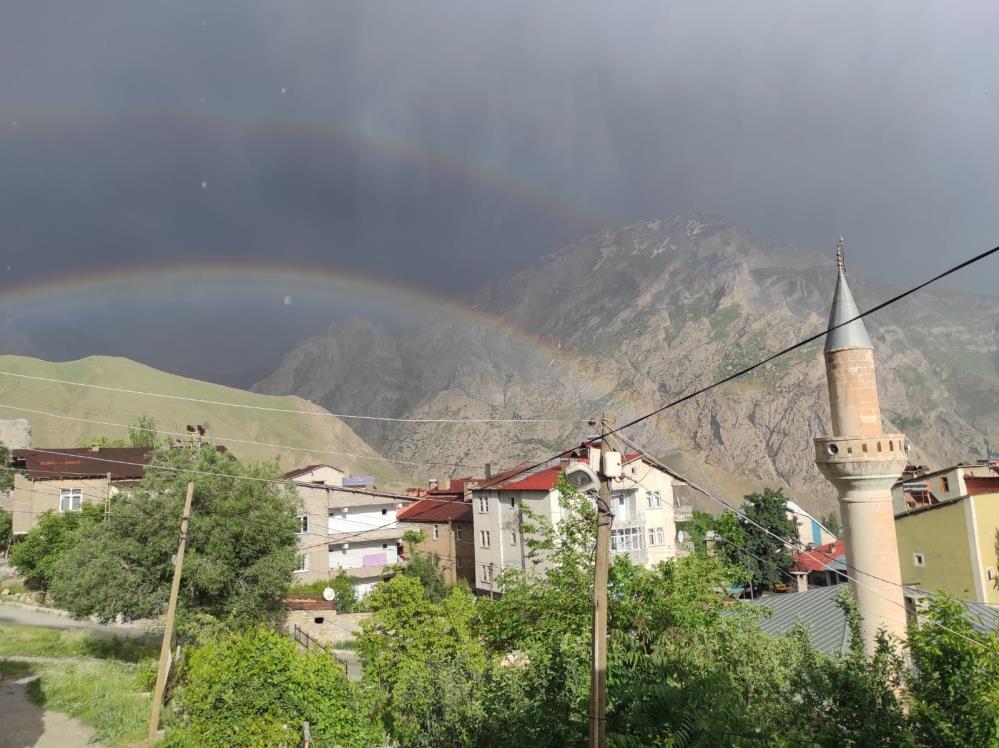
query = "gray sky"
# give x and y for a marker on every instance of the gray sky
(442, 143)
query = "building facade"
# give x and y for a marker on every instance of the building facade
(62, 480)
(344, 529)
(862, 462)
(644, 506)
(445, 519)
(947, 524)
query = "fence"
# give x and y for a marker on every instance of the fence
(308, 643)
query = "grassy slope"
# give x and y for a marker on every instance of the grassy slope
(291, 429)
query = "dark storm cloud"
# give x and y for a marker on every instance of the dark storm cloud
(512, 127)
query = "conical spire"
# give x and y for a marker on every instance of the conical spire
(853, 335)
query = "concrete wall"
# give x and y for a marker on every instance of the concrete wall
(986, 525)
(357, 518)
(941, 536)
(457, 555)
(315, 508)
(32, 498)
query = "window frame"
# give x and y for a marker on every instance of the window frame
(75, 496)
(437, 532)
(303, 524)
(303, 566)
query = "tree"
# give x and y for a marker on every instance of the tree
(343, 587)
(240, 549)
(954, 681)
(831, 522)
(142, 432)
(36, 555)
(764, 556)
(6, 522)
(255, 687)
(6, 470)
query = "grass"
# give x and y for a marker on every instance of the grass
(14, 585)
(12, 669)
(43, 642)
(111, 697)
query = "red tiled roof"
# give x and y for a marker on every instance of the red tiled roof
(430, 510)
(543, 480)
(819, 557)
(123, 463)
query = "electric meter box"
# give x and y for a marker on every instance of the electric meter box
(594, 457)
(612, 464)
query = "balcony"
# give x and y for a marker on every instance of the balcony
(683, 512)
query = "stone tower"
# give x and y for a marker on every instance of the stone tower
(862, 463)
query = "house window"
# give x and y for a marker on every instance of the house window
(652, 536)
(918, 559)
(660, 536)
(628, 539)
(384, 512)
(512, 501)
(457, 534)
(945, 482)
(483, 504)
(437, 532)
(70, 499)
(653, 499)
(484, 538)
(513, 538)
(303, 524)
(302, 563)
(487, 573)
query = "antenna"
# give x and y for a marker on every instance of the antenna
(840, 245)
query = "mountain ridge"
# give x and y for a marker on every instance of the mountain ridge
(644, 314)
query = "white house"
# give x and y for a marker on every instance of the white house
(644, 506)
(354, 530)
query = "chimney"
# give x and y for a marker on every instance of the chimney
(445, 483)
(488, 470)
(432, 484)
(800, 581)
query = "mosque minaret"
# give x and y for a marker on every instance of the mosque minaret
(862, 463)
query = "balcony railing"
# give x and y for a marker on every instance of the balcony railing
(683, 512)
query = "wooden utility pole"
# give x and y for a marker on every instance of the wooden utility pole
(598, 673)
(161, 675)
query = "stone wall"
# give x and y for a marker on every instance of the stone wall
(334, 627)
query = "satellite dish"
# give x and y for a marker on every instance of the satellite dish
(329, 594)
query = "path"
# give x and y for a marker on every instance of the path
(26, 725)
(25, 616)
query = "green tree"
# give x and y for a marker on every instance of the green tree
(831, 522)
(257, 688)
(422, 663)
(764, 556)
(142, 432)
(344, 588)
(37, 554)
(6, 526)
(6, 469)
(954, 681)
(240, 549)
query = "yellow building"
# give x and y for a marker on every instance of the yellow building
(947, 538)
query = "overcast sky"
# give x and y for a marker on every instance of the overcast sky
(442, 143)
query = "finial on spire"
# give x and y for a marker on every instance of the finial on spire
(839, 253)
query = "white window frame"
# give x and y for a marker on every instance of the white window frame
(653, 499)
(75, 497)
(484, 539)
(303, 524)
(487, 573)
(437, 532)
(483, 504)
(457, 534)
(660, 536)
(303, 565)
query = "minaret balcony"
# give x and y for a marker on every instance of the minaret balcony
(862, 457)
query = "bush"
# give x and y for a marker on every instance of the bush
(256, 688)
(37, 553)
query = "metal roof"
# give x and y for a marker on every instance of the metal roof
(823, 618)
(853, 335)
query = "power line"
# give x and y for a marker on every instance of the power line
(322, 413)
(805, 341)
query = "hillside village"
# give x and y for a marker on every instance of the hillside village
(907, 542)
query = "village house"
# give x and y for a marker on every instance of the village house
(643, 503)
(343, 527)
(946, 522)
(445, 517)
(63, 480)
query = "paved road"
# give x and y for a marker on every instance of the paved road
(33, 617)
(26, 725)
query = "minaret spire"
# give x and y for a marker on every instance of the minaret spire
(854, 334)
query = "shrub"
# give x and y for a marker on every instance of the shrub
(35, 556)
(256, 688)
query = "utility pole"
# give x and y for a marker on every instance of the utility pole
(598, 673)
(161, 675)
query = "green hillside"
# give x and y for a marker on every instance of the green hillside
(225, 424)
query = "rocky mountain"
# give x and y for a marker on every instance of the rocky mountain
(633, 317)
